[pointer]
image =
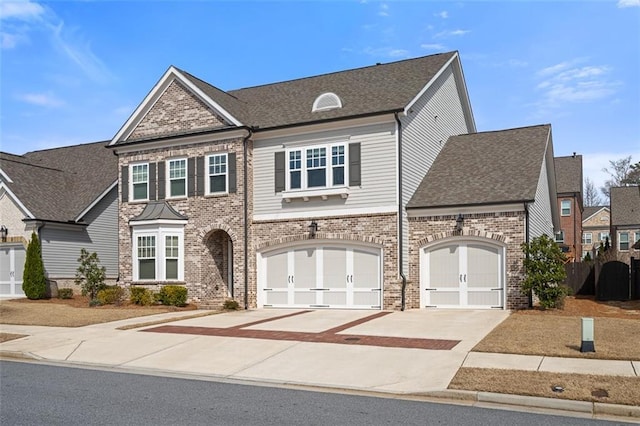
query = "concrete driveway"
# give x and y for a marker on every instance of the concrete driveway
(399, 352)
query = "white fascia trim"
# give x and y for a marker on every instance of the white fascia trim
(5, 176)
(319, 214)
(155, 94)
(96, 201)
(136, 223)
(595, 213)
(429, 83)
(16, 200)
(454, 211)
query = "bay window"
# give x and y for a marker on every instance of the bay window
(158, 252)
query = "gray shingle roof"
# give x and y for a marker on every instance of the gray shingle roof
(568, 174)
(591, 210)
(485, 168)
(625, 206)
(363, 91)
(58, 184)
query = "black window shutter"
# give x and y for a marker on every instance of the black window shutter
(354, 164)
(124, 182)
(280, 171)
(231, 159)
(152, 181)
(200, 176)
(191, 177)
(162, 184)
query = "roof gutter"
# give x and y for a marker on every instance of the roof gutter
(400, 210)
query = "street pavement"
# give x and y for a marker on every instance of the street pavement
(363, 351)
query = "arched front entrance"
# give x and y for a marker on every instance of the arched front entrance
(463, 273)
(217, 265)
(320, 274)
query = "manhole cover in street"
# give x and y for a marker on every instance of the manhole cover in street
(600, 393)
(351, 339)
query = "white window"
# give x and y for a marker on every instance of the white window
(140, 181)
(321, 166)
(217, 173)
(158, 253)
(623, 241)
(560, 237)
(177, 177)
(637, 237)
(587, 238)
(602, 236)
(565, 209)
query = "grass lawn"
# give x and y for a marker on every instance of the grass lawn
(557, 332)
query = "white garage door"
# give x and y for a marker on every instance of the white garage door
(467, 275)
(325, 276)
(11, 268)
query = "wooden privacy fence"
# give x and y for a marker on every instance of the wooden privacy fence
(580, 278)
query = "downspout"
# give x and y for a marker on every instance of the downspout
(245, 188)
(526, 240)
(400, 211)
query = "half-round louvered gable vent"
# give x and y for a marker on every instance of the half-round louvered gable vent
(326, 101)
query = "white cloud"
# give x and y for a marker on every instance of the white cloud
(21, 10)
(567, 83)
(388, 52)
(384, 10)
(453, 33)
(628, 3)
(433, 46)
(444, 14)
(9, 41)
(40, 99)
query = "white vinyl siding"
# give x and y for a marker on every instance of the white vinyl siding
(434, 117)
(378, 173)
(540, 214)
(61, 246)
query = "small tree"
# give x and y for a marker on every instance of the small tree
(544, 271)
(90, 275)
(34, 282)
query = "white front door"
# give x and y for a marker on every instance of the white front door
(12, 260)
(323, 276)
(467, 274)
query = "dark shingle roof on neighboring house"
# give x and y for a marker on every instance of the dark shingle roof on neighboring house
(363, 91)
(568, 174)
(58, 184)
(591, 210)
(625, 206)
(485, 168)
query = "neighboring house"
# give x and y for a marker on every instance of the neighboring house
(485, 195)
(569, 189)
(625, 221)
(68, 196)
(294, 194)
(596, 225)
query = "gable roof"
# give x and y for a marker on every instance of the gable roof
(485, 168)
(372, 90)
(568, 174)
(58, 184)
(591, 210)
(625, 206)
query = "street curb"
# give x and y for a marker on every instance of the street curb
(19, 355)
(593, 408)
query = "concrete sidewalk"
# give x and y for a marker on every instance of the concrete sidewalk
(350, 363)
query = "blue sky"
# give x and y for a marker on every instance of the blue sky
(72, 72)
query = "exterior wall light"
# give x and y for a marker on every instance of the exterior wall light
(459, 223)
(313, 228)
(3, 233)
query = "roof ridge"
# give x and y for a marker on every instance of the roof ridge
(378, 64)
(189, 75)
(507, 130)
(67, 146)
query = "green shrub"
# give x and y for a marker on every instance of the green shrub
(94, 302)
(90, 275)
(141, 296)
(544, 271)
(112, 295)
(230, 305)
(65, 293)
(34, 282)
(173, 295)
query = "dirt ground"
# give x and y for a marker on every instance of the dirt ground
(73, 312)
(557, 332)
